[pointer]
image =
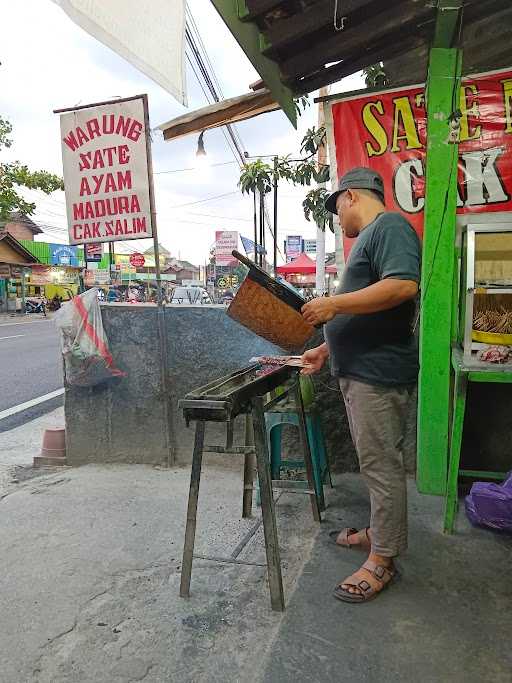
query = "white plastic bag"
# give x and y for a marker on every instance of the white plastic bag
(87, 359)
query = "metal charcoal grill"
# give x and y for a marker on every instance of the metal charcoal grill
(245, 392)
(225, 398)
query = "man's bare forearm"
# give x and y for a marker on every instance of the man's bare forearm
(324, 349)
(380, 296)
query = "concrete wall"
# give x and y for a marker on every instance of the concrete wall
(125, 420)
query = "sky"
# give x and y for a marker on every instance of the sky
(47, 62)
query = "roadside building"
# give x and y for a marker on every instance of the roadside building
(21, 227)
(183, 270)
(15, 268)
(59, 273)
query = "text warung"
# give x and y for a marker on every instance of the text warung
(106, 173)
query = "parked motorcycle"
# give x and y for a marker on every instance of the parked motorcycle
(35, 306)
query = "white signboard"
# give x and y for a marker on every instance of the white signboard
(225, 242)
(293, 247)
(97, 277)
(106, 172)
(310, 246)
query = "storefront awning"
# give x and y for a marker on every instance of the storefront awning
(303, 265)
(220, 114)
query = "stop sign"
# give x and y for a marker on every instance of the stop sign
(137, 260)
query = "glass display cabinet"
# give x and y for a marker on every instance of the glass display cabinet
(485, 306)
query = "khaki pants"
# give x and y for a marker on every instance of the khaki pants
(377, 420)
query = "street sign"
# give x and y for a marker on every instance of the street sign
(97, 277)
(227, 281)
(225, 242)
(41, 275)
(137, 260)
(63, 255)
(93, 252)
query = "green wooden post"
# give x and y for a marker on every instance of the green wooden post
(459, 409)
(438, 272)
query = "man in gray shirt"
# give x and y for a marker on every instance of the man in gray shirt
(373, 354)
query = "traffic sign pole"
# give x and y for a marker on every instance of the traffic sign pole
(162, 330)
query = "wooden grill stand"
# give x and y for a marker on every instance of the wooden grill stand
(256, 409)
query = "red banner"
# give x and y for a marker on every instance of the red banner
(387, 132)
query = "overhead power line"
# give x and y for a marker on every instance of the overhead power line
(200, 55)
(202, 201)
(194, 168)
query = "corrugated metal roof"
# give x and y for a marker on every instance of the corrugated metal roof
(40, 250)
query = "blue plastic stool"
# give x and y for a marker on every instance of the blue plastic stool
(321, 471)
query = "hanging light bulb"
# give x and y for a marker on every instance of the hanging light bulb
(201, 152)
(203, 162)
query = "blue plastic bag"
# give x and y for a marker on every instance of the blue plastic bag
(490, 505)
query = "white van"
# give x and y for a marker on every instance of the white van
(189, 295)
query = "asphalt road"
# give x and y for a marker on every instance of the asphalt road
(30, 367)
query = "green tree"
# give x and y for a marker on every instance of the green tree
(312, 140)
(14, 175)
(258, 177)
(308, 170)
(375, 76)
(314, 208)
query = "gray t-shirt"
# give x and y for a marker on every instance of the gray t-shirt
(378, 348)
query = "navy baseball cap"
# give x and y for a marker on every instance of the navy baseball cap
(360, 178)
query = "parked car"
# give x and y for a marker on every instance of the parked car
(226, 298)
(189, 295)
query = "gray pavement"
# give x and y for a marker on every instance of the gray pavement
(90, 569)
(18, 447)
(446, 620)
(90, 572)
(30, 366)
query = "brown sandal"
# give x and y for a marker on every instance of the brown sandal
(378, 578)
(341, 537)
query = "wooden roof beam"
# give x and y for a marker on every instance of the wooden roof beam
(248, 37)
(348, 67)
(284, 32)
(382, 29)
(256, 9)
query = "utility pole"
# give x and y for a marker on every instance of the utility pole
(262, 228)
(255, 229)
(86, 266)
(110, 260)
(320, 234)
(275, 215)
(23, 291)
